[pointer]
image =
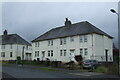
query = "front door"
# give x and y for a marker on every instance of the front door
(72, 54)
(106, 55)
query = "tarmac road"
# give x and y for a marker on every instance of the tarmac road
(31, 72)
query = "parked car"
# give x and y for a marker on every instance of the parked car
(90, 64)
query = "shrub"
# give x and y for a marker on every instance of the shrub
(113, 69)
(101, 69)
(18, 60)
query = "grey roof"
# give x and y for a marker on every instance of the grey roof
(13, 39)
(80, 28)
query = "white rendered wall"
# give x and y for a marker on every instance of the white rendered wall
(68, 46)
(17, 50)
(99, 42)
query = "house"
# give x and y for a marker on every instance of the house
(12, 45)
(63, 43)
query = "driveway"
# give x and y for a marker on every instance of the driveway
(26, 71)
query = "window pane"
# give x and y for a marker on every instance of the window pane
(81, 40)
(60, 41)
(10, 54)
(48, 53)
(48, 42)
(60, 52)
(11, 46)
(72, 39)
(51, 42)
(85, 51)
(64, 52)
(85, 38)
(51, 52)
(64, 40)
(81, 51)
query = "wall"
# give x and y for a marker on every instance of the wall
(16, 50)
(57, 47)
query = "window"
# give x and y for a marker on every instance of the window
(61, 42)
(27, 47)
(85, 38)
(81, 51)
(3, 47)
(51, 52)
(72, 39)
(11, 54)
(50, 42)
(36, 44)
(85, 50)
(64, 40)
(81, 39)
(36, 53)
(2, 54)
(60, 52)
(11, 46)
(48, 53)
(64, 52)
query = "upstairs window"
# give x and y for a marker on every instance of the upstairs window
(50, 42)
(62, 41)
(10, 46)
(3, 47)
(72, 39)
(81, 39)
(36, 44)
(27, 47)
(85, 38)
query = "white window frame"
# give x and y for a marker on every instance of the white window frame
(85, 38)
(85, 51)
(81, 39)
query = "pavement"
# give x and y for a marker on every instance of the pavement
(28, 71)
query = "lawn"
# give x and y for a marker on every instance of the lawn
(47, 69)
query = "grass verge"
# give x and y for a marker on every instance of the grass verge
(47, 69)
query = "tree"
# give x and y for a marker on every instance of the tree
(79, 59)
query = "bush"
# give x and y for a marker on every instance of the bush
(113, 69)
(101, 69)
(18, 60)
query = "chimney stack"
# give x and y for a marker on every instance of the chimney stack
(5, 32)
(67, 23)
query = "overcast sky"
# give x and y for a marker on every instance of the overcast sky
(31, 19)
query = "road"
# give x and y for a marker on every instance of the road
(31, 72)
